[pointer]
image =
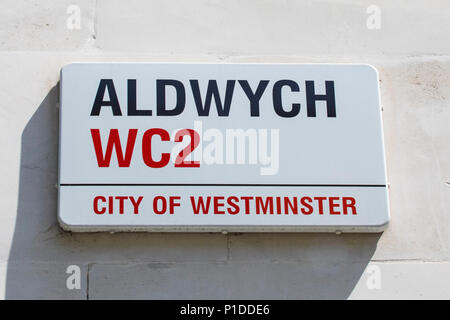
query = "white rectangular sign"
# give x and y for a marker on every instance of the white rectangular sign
(221, 147)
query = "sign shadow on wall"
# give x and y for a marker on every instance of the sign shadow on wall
(162, 265)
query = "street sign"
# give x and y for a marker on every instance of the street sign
(221, 147)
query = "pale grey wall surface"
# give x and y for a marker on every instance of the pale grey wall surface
(412, 54)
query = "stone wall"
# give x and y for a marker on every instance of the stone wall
(411, 51)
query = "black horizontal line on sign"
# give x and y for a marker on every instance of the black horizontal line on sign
(218, 185)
